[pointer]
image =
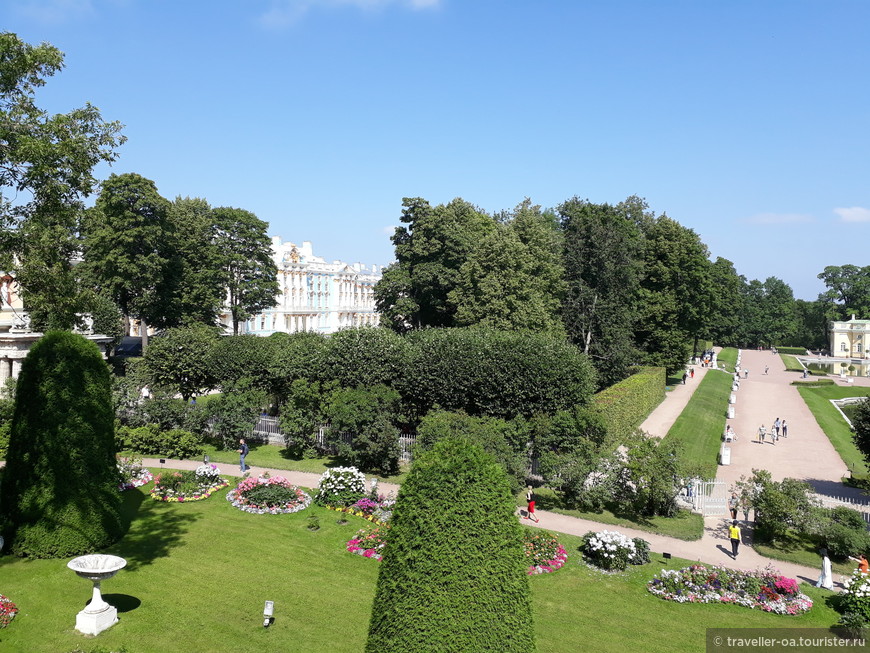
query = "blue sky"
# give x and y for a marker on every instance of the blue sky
(747, 121)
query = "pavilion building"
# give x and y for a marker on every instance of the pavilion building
(850, 338)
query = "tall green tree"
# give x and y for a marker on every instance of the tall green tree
(129, 247)
(49, 160)
(676, 293)
(513, 279)
(768, 316)
(726, 305)
(453, 522)
(603, 266)
(430, 251)
(848, 291)
(248, 272)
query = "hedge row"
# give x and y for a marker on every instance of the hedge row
(794, 351)
(627, 404)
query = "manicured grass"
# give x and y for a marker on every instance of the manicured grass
(728, 358)
(832, 423)
(699, 427)
(198, 574)
(791, 363)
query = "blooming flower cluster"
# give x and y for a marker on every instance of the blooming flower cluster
(340, 481)
(8, 610)
(762, 589)
(132, 473)
(369, 542)
(184, 487)
(350, 510)
(293, 499)
(543, 551)
(856, 598)
(609, 550)
(208, 474)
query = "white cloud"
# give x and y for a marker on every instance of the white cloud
(288, 12)
(779, 218)
(854, 214)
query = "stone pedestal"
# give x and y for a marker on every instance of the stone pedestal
(93, 623)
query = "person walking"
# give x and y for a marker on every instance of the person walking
(745, 374)
(685, 376)
(733, 503)
(784, 427)
(734, 536)
(243, 451)
(761, 433)
(776, 425)
(826, 580)
(863, 565)
(766, 368)
(530, 501)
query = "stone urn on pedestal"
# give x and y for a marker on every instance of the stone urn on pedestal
(97, 615)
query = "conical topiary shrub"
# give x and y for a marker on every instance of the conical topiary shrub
(453, 576)
(59, 493)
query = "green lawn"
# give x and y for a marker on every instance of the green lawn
(802, 551)
(728, 357)
(198, 575)
(699, 427)
(791, 363)
(832, 423)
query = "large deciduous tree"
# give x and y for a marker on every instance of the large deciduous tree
(848, 290)
(249, 274)
(603, 265)
(129, 247)
(430, 251)
(49, 160)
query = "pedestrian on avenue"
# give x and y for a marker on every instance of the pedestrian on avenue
(826, 580)
(784, 427)
(692, 372)
(776, 425)
(766, 368)
(243, 451)
(745, 373)
(734, 536)
(530, 500)
(761, 434)
(685, 376)
(733, 503)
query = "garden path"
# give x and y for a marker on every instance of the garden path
(660, 421)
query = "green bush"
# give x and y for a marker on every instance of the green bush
(454, 573)
(856, 598)
(494, 373)
(340, 486)
(625, 405)
(58, 496)
(816, 383)
(149, 440)
(641, 551)
(794, 351)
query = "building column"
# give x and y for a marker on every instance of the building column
(16, 367)
(4, 371)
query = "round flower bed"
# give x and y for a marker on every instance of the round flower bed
(185, 485)
(8, 610)
(132, 474)
(762, 589)
(268, 496)
(369, 542)
(543, 551)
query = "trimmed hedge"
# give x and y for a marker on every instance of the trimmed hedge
(453, 574)
(58, 496)
(625, 405)
(794, 351)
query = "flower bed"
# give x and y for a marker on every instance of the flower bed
(185, 486)
(8, 610)
(133, 474)
(340, 486)
(543, 551)
(369, 542)
(378, 511)
(762, 589)
(268, 496)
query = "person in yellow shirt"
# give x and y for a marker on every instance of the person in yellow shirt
(734, 535)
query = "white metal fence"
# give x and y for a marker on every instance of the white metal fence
(710, 498)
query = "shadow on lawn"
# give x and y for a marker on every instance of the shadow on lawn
(154, 529)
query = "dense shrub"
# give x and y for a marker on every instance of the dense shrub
(180, 360)
(844, 532)
(365, 356)
(504, 440)
(454, 572)
(779, 506)
(856, 598)
(295, 356)
(340, 486)
(861, 428)
(58, 496)
(494, 373)
(794, 351)
(233, 415)
(609, 550)
(242, 360)
(149, 440)
(625, 405)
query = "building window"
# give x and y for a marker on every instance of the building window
(843, 346)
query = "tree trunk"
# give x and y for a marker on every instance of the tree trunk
(143, 331)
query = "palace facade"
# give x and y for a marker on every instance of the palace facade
(850, 339)
(316, 295)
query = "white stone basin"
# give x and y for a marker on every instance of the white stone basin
(97, 567)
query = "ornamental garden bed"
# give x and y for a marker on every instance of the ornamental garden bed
(186, 485)
(273, 495)
(369, 542)
(544, 552)
(8, 610)
(763, 589)
(133, 474)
